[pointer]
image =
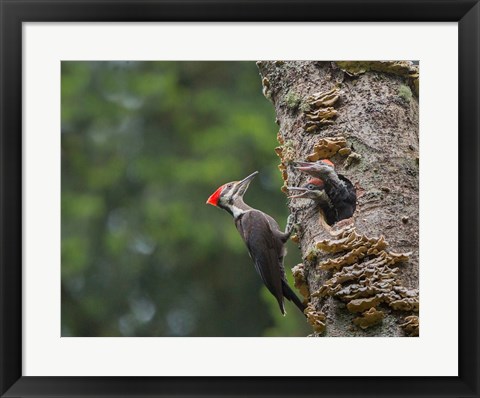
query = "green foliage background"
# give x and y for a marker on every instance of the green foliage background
(143, 146)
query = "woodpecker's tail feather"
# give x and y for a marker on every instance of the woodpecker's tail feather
(289, 294)
(281, 304)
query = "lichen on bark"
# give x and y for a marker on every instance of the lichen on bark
(359, 117)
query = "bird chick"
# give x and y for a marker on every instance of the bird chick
(338, 188)
(314, 189)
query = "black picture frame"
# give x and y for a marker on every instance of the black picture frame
(15, 12)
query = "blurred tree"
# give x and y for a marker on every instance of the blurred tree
(143, 146)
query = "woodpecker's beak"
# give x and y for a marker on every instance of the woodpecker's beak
(304, 166)
(318, 169)
(300, 195)
(242, 186)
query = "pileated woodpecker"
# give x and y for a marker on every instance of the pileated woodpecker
(314, 189)
(339, 189)
(263, 237)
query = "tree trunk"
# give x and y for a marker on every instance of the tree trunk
(359, 276)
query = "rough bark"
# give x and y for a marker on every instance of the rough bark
(367, 115)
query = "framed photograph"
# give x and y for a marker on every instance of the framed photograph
(239, 198)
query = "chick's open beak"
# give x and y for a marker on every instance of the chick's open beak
(303, 194)
(304, 166)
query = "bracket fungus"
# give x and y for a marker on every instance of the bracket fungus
(286, 152)
(266, 88)
(364, 276)
(405, 304)
(346, 240)
(280, 139)
(352, 158)
(294, 238)
(315, 318)
(363, 304)
(327, 147)
(344, 151)
(369, 318)
(320, 109)
(411, 326)
(325, 98)
(300, 282)
(405, 69)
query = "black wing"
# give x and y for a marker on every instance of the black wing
(265, 249)
(350, 202)
(343, 196)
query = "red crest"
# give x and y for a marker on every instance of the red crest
(316, 181)
(326, 161)
(213, 199)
